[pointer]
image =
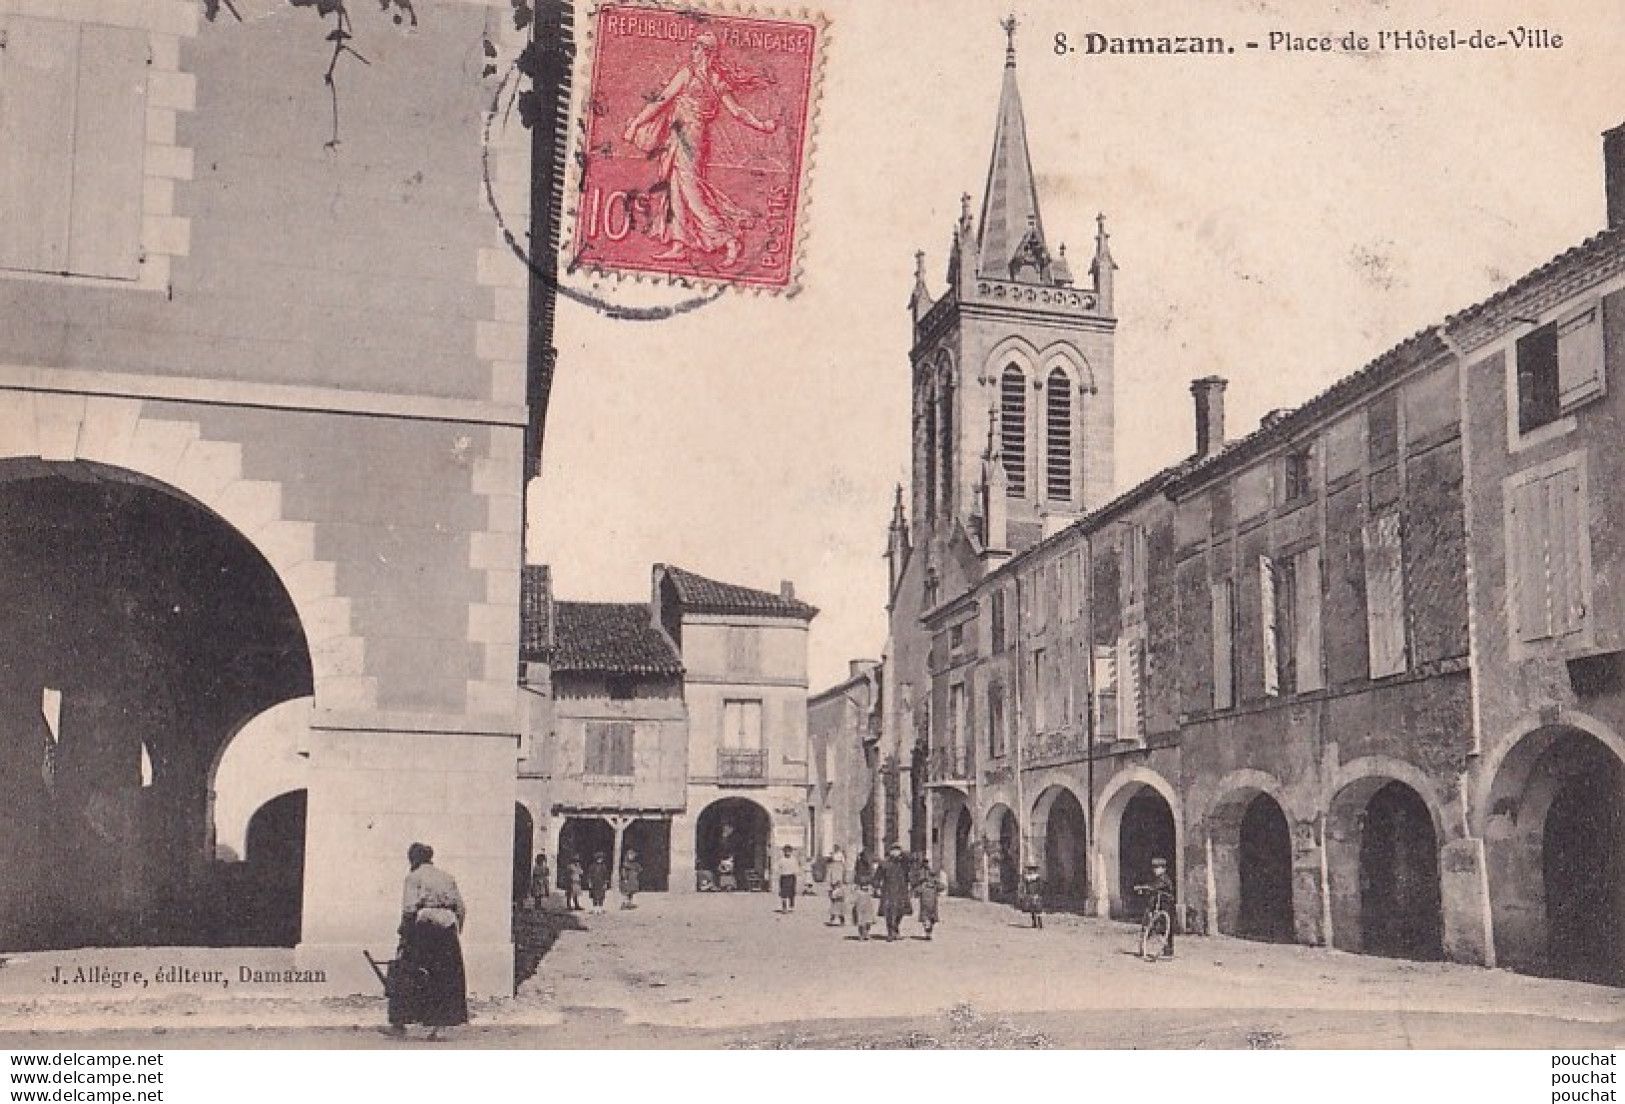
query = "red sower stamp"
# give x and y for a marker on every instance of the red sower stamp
(697, 131)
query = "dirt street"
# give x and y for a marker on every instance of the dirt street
(726, 970)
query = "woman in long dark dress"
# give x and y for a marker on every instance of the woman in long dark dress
(428, 984)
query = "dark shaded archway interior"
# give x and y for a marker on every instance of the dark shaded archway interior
(1066, 854)
(267, 907)
(1005, 867)
(964, 883)
(1266, 873)
(651, 839)
(1146, 833)
(1581, 865)
(735, 828)
(164, 631)
(524, 844)
(581, 838)
(1400, 913)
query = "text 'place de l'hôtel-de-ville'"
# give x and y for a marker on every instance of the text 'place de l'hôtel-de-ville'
(268, 415)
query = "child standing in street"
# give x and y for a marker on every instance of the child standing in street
(1031, 895)
(863, 907)
(932, 884)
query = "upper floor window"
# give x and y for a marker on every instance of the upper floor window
(1223, 593)
(744, 651)
(1298, 474)
(995, 720)
(1548, 551)
(1384, 595)
(73, 121)
(1560, 367)
(1013, 430)
(609, 748)
(956, 638)
(1058, 421)
(996, 619)
(742, 725)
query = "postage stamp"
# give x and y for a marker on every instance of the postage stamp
(696, 144)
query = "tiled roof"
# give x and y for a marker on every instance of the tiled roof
(610, 638)
(697, 594)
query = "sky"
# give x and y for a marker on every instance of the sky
(1278, 218)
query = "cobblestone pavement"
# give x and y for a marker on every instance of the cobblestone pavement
(720, 970)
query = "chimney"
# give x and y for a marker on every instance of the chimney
(787, 590)
(1613, 165)
(1209, 393)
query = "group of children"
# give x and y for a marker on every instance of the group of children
(867, 893)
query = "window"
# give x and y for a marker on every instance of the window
(744, 651)
(1106, 691)
(1224, 643)
(1385, 595)
(1306, 652)
(956, 638)
(945, 443)
(928, 440)
(73, 124)
(1548, 554)
(1013, 430)
(1222, 512)
(996, 617)
(609, 748)
(1131, 687)
(742, 725)
(1560, 367)
(1058, 459)
(1382, 433)
(957, 721)
(1297, 481)
(996, 727)
(1041, 691)
(1269, 619)
(1134, 576)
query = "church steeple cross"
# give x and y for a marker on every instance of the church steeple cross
(1009, 25)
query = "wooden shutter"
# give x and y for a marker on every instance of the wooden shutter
(1384, 596)
(1224, 620)
(1580, 373)
(1106, 691)
(1546, 559)
(109, 143)
(1306, 619)
(1270, 626)
(1130, 691)
(38, 71)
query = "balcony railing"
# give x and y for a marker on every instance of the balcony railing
(949, 764)
(741, 767)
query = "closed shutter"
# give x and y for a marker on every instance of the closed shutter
(1306, 623)
(1270, 626)
(1106, 691)
(1131, 695)
(1224, 619)
(1546, 560)
(38, 71)
(1385, 596)
(1580, 373)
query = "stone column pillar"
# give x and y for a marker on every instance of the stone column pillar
(1464, 897)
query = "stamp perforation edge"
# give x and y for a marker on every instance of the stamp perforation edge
(581, 98)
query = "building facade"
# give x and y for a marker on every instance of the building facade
(843, 732)
(1357, 674)
(263, 407)
(676, 728)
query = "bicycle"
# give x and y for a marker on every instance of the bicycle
(1157, 924)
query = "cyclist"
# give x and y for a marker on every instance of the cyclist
(1159, 894)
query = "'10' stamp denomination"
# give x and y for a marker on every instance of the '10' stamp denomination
(696, 137)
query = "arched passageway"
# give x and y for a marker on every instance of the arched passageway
(1145, 833)
(154, 630)
(524, 853)
(268, 910)
(1066, 849)
(651, 839)
(964, 866)
(739, 829)
(1004, 863)
(1266, 872)
(1399, 910)
(1555, 842)
(582, 838)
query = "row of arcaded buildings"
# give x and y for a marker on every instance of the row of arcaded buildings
(1360, 673)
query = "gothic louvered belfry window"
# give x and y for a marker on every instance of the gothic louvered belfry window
(1013, 429)
(945, 444)
(1058, 417)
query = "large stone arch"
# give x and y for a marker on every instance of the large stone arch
(1381, 792)
(1126, 786)
(1002, 830)
(56, 427)
(1224, 825)
(262, 759)
(1554, 841)
(1059, 815)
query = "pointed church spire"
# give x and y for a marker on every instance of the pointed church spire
(919, 302)
(1010, 221)
(1103, 266)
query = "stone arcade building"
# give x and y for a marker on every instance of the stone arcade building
(1360, 674)
(263, 411)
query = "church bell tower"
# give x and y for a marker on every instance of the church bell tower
(1012, 365)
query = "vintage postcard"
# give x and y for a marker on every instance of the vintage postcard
(1138, 567)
